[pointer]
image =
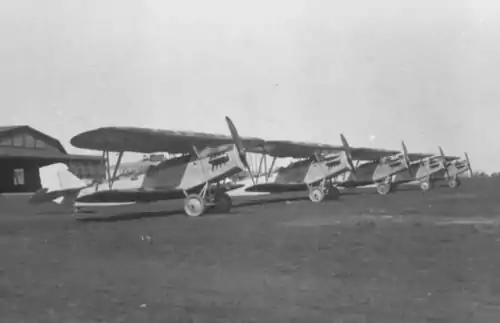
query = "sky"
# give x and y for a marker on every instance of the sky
(379, 71)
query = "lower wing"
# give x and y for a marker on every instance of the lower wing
(143, 196)
(277, 187)
(124, 196)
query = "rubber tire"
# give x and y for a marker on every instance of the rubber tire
(333, 193)
(383, 188)
(194, 205)
(223, 203)
(454, 183)
(425, 186)
(316, 195)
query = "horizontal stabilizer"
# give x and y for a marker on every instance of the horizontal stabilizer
(58, 177)
(58, 185)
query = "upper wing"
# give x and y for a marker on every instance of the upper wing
(296, 149)
(143, 140)
(416, 156)
(371, 153)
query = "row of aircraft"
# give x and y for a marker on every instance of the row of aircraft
(205, 162)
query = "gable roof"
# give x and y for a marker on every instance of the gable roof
(7, 130)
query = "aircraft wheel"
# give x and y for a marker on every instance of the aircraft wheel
(454, 183)
(425, 186)
(194, 205)
(223, 203)
(316, 194)
(383, 188)
(333, 193)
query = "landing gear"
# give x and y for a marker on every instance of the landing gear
(208, 199)
(316, 194)
(383, 188)
(454, 182)
(426, 186)
(325, 190)
(386, 186)
(194, 205)
(333, 193)
(223, 203)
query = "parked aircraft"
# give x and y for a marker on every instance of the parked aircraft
(206, 159)
(387, 172)
(436, 168)
(316, 173)
(378, 171)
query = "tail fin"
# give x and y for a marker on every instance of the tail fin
(58, 185)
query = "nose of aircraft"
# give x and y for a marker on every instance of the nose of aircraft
(467, 160)
(347, 154)
(238, 142)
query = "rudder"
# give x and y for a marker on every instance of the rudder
(58, 185)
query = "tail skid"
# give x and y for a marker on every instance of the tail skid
(58, 185)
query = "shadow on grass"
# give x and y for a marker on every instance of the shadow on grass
(154, 214)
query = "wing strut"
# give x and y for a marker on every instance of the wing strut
(115, 171)
(108, 166)
(103, 165)
(262, 158)
(268, 174)
(265, 165)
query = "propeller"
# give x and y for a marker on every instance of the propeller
(406, 157)
(239, 145)
(468, 164)
(347, 149)
(443, 161)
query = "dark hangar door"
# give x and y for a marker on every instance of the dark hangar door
(19, 176)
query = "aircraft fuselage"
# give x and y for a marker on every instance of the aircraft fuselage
(313, 171)
(374, 172)
(182, 173)
(420, 171)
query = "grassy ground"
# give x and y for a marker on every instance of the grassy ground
(406, 257)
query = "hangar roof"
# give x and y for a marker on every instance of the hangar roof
(22, 141)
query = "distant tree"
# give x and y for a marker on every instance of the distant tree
(480, 174)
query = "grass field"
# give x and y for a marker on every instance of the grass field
(406, 257)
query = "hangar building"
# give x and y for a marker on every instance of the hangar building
(24, 149)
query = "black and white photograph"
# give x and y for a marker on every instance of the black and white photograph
(249, 161)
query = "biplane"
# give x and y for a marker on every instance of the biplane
(388, 172)
(432, 169)
(204, 161)
(378, 171)
(319, 165)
